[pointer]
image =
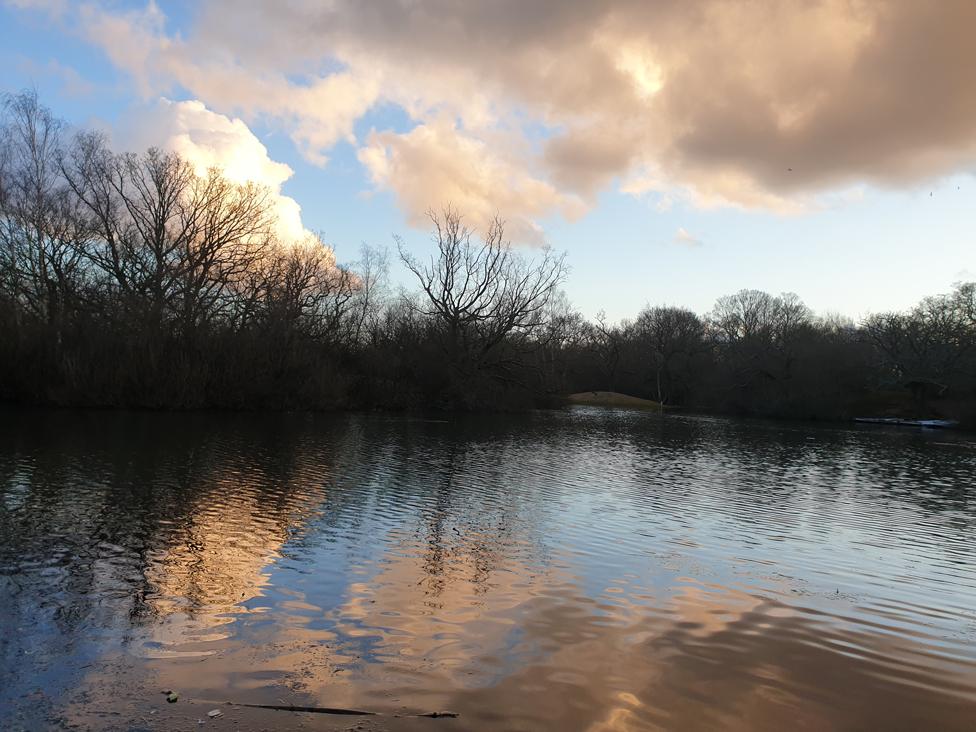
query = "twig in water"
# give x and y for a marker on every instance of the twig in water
(336, 710)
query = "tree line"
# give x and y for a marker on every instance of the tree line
(136, 280)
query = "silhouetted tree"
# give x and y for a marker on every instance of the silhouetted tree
(931, 348)
(42, 233)
(606, 341)
(562, 335)
(136, 279)
(669, 341)
(488, 300)
(756, 337)
(171, 242)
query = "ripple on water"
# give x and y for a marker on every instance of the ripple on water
(586, 569)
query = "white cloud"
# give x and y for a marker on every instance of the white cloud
(318, 111)
(685, 239)
(72, 83)
(436, 165)
(207, 139)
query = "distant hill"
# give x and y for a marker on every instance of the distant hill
(611, 399)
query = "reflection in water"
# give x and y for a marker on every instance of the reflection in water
(584, 570)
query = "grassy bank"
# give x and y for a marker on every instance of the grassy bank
(612, 399)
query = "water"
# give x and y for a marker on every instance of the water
(578, 570)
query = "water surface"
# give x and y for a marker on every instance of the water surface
(577, 570)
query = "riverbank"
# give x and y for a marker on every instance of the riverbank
(508, 403)
(612, 399)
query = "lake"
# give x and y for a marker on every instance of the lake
(583, 569)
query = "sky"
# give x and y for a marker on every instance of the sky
(676, 150)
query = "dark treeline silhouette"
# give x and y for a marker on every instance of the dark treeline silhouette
(135, 280)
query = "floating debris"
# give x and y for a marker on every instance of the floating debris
(338, 710)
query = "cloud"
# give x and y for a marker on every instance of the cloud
(55, 8)
(685, 239)
(71, 82)
(318, 111)
(207, 139)
(436, 165)
(753, 104)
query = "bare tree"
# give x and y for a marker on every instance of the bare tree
(669, 338)
(756, 337)
(308, 292)
(42, 231)
(606, 341)
(172, 242)
(367, 303)
(229, 229)
(935, 341)
(482, 293)
(753, 314)
(964, 302)
(563, 332)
